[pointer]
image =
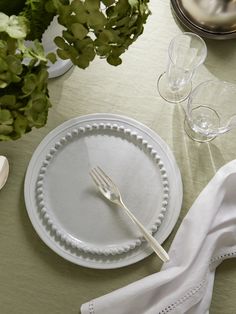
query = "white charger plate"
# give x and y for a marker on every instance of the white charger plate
(69, 214)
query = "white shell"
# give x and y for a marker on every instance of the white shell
(4, 170)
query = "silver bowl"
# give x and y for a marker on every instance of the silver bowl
(212, 19)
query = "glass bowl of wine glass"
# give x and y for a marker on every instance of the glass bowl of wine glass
(211, 110)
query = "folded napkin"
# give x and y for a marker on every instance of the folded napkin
(206, 237)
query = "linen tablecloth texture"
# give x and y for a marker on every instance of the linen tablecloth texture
(206, 237)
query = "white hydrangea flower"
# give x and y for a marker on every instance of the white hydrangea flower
(4, 19)
(14, 26)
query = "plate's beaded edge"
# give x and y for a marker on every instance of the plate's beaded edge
(50, 225)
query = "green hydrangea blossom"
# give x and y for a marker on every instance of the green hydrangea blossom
(104, 28)
(24, 99)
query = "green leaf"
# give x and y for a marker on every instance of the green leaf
(6, 76)
(64, 15)
(3, 47)
(133, 3)
(65, 2)
(19, 105)
(82, 17)
(77, 6)
(92, 5)
(12, 45)
(114, 60)
(4, 137)
(37, 119)
(79, 30)
(39, 48)
(122, 7)
(125, 20)
(30, 83)
(3, 84)
(51, 57)
(15, 78)
(108, 2)
(96, 18)
(80, 11)
(60, 42)
(117, 51)
(36, 110)
(42, 78)
(103, 50)
(3, 65)
(39, 14)
(5, 117)
(36, 51)
(71, 20)
(81, 44)
(68, 37)
(39, 104)
(14, 64)
(8, 101)
(41, 86)
(82, 62)
(107, 36)
(49, 6)
(20, 124)
(133, 19)
(5, 129)
(144, 10)
(63, 54)
(73, 53)
(89, 53)
(110, 12)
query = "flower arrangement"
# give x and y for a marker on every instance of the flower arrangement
(105, 28)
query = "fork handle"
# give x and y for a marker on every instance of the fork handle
(157, 248)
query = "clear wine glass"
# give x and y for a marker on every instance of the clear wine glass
(186, 52)
(211, 110)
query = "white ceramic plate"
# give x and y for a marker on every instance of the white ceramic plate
(68, 213)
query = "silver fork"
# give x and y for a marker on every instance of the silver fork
(111, 192)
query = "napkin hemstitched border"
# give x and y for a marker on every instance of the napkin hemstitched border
(220, 258)
(216, 259)
(91, 307)
(192, 292)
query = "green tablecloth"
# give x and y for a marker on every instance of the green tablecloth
(36, 280)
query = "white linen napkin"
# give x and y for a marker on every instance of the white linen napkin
(206, 237)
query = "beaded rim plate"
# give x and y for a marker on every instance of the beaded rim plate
(69, 214)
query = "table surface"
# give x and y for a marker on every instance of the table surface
(36, 280)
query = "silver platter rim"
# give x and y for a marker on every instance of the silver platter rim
(208, 34)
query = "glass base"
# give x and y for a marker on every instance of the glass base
(174, 96)
(197, 137)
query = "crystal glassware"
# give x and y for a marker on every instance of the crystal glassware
(210, 110)
(186, 52)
